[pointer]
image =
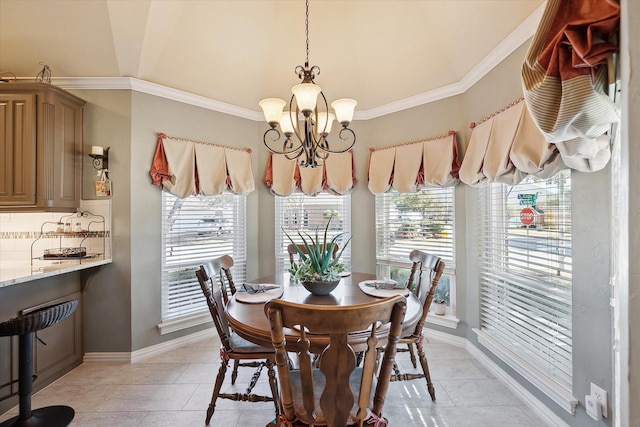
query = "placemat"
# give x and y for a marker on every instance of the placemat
(259, 297)
(381, 293)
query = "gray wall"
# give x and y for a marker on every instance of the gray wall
(107, 122)
(123, 302)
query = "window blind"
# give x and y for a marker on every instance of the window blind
(299, 212)
(526, 271)
(423, 220)
(195, 230)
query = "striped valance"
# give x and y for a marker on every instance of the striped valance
(336, 175)
(410, 166)
(564, 78)
(507, 146)
(185, 167)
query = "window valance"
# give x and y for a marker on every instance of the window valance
(564, 78)
(410, 166)
(186, 167)
(506, 147)
(336, 176)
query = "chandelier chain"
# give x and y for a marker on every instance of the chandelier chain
(306, 26)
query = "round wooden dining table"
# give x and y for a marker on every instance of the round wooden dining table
(250, 322)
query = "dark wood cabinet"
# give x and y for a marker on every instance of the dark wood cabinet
(62, 349)
(41, 138)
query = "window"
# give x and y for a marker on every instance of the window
(526, 273)
(195, 230)
(424, 221)
(299, 212)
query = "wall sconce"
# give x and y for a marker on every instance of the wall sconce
(100, 158)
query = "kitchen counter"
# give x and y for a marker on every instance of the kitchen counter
(21, 273)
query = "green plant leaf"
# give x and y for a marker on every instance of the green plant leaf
(317, 263)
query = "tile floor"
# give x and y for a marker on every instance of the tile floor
(173, 390)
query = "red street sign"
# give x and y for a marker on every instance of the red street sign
(527, 216)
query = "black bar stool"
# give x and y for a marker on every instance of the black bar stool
(25, 326)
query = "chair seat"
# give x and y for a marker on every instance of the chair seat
(241, 346)
(37, 320)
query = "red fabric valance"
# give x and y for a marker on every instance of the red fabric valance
(410, 166)
(336, 176)
(185, 167)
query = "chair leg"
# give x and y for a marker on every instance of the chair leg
(273, 384)
(234, 374)
(412, 355)
(425, 370)
(216, 390)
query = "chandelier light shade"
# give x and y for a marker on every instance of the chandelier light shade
(272, 108)
(306, 125)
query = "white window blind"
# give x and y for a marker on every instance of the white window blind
(195, 230)
(424, 220)
(526, 272)
(299, 212)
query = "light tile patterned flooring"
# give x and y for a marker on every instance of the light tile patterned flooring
(173, 390)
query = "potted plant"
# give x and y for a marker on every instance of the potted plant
(440, 302)
(317, 269)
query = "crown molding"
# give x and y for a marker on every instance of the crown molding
(143, 86)
(519, 36)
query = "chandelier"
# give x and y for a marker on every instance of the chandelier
(306, 125)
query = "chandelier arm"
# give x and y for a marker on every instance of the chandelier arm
(349, 134)
(285, 150)
(297, 155)
(296, 129)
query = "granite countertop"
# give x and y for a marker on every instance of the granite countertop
(13, 274)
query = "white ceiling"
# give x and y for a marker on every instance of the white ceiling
(383, 53)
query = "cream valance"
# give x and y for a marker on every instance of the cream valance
(410, 166)
(186, 167)
(337, 175)
(506, 147)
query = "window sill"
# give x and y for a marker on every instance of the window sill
(448, 320)
(555, 392)
(185, 322)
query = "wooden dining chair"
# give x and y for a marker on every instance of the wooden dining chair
(291, 249)
(233, 347)
(337, 391)
(217, 267)
(434, 266)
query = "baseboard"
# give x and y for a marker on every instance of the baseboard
(147, 352)
(107, 357)
(445, 337)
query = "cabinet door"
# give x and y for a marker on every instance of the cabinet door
(59, 152)
(63, 350)
(18, 150)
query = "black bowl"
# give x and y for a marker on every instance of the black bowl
(320, 288)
